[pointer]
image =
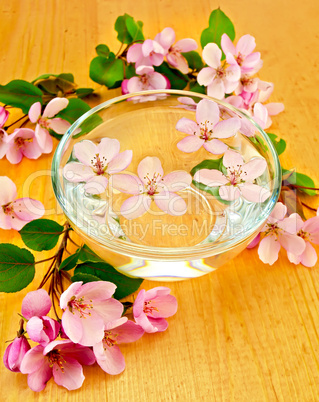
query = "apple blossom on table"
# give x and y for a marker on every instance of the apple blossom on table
(97, 162)
(15, 353)
(15, 213)
(148, 53)
(22, 142)
(152, 185)
(208, 130)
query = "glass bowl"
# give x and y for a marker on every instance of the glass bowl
(189, 229)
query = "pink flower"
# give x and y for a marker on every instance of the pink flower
(186, 103)
(14, 214)
(148, 79)
(15, 353)
(22, 142)
(148, 53)
(238, 180)
(4, 114)
(42, 329)
(219, 77)
(309, 231)
(152, 307)
(173, 53)
(47, 121)
(107, 353)
(97, 162)
(152, 185)
(3, 143)
(87, 309)
(280, 231)
(247, 84)
(208, 130)
(36, 304)
(243, 54)
(61, 359)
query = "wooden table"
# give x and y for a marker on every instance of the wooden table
(247, 332)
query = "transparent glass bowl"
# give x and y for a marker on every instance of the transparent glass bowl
(159, 246)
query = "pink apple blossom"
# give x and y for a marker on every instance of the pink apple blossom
(107, 352)
(152, 185)
(309, 231)
(36, 304)
(22, 142)
(42, 329)
(239, 179)
(87, 309)
(96, 163)
(208, 131)
(15, 213)
(147, 79)
(219, 77)
(61, 359)
(151, 307)
(148, 53)
(242, 54)
(280, 231)
(47, 121)
(15, 353)
(4, 114)
(173, 53)
(3, 143)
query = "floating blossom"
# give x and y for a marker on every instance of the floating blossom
(107, 352)
(309, 232)
(61, 359)
(152, 307)
(243, 53)
(4, 114)
(208, 130)
(15, 353)
(280, 231)
(22, 142)
(238, 180)
(148, 79)
(148, 53)
(152, 185)
(173, 53)
(87, 309)
(14, 214)
(220, 77)
(97, 162)
(47, 121)
(186, 103)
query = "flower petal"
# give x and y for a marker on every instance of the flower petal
(109, 310)
(99, 290)
(274, 108)
(212, 55)
(96, 185)
(33, 360)
(37, 380)
(112, 361)
(55, 106)
(14, 154)
(8, 190)
(127, 183)
(135, 206)
(309, 256)
(85, 151)
(254, 193)
(268, 249)
(28, 209)
(226, 128)
(253, 169)
(216, 89)
(36, 303)
(232, 159)
(157, 81)
(187, 126)
(292, 243)
(128, 332)
(177, 180)
(149, 168)
(206, 76)
(170, 203)
(120, 162)
(109, 148)
(72, 326)
(189, 144)
(278, 213)
(215, 146)
(159, 324)
(166, 38)
(186, 45)
(229, 193)
(207, 112)
(72, 375)
(227, 45)
(178, 61)
(59, 125)
(246, 45)
(210, 177)
(35, 112)
(41, 135)
(77, 172)
(134, 53)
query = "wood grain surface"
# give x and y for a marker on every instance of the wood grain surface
(247, 332)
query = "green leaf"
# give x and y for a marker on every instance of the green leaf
(108, 72)
(219, 24)
(280, 145)
(86, 254)
(85, 278)
(211, 190)
(128, 30)
(89, 124)
(75, 109)
(83, 92)
(194, 60)
(208, 164)
(129, 71)
(16, 268)
(69, 262)
(177, 79)
(195, 87)
(300, 179)
(20, 94)
(41, 234)
(102, 50)
(105, 272)
(66, 76)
